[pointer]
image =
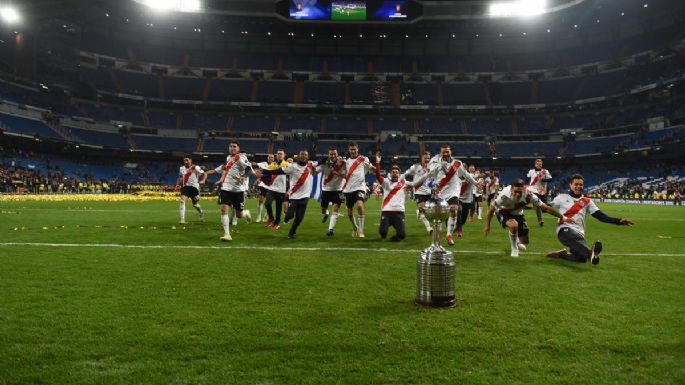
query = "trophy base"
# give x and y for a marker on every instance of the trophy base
(438, 302)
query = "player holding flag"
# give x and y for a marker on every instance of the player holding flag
(190, 177)
(539, 177)
(571, 228)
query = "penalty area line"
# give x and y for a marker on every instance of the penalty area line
(274, 248)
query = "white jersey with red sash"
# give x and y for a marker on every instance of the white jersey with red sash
(448, 176)
(467, 191)
(576, 208)
(491, 185)
(355, 178)
(507, 204)
(418, 170)
(333, 175)
(231, 172)
(395, 193)
(538, 181)
(190, 176)
(480, 187)
(301, 179)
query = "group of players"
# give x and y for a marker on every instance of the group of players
(288, 183)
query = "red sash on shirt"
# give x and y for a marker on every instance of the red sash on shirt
(392, 193)
(539, 176)
(417, 186)
(356, 164)
(464, 186)
(228, 167)
(187, 175)
(575, 209)
(450, 174)
(301, 180)
(330, 176)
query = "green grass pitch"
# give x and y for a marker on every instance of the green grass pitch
(348, 14)
(163, 304)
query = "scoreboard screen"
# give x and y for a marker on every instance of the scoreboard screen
(348, 10)
(359, 11)
(310, 9)
(391, 10)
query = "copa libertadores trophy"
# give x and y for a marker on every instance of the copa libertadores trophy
(435, 269)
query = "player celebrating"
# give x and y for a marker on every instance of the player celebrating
(190, 177)
(478, 196)
(491, 186)
(333, 174)
(262, 187)
(449, 184)
(232, 186)
(509, 206)
(466, 201)
(394, 195)
(276, 192)
(575, 206)
(355, 189)
(539, 177)
(422, 193)
(302, 174)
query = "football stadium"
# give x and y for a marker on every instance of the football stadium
(342, 192)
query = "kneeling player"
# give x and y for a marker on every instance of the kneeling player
(509, 206)
(575, 206)
(394, 195)
(190, 178)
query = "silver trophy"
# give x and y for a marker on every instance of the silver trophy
(435, 269)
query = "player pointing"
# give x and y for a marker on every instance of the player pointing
(571, 228)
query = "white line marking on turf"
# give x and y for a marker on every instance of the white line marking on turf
(269, 248)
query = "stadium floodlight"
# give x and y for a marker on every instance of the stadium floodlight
(9, 15)
(521, 8)
(173, 5)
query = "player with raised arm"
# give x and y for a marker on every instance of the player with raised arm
(508, 206)
(448, 184)
(422, 193)
(232, 193)
(394, 197)
(538, 179)
(354, 187)
(190, 177)
(301, 175)
(573, 205)
(333, 174)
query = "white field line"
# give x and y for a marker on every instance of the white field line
(268, 248)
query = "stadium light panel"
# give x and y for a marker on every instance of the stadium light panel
(9, 15)
(173, 5)
(521, 8)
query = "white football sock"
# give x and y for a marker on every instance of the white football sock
(353, 220)
(451, 224)
(182, 211)
(425, 221)
(513, 241)
(360, 219)
(334, 220)
(480, 209)
(198, 208)
(225, 222)
(260, 208)
(234, 218)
